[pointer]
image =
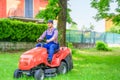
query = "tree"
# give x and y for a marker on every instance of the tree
(57, 9)
(84, 28)
(104, 10)
(91, 27)
(62, 17)
(115, 29)
(73, 27)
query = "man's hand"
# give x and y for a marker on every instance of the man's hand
(47, 41)
(38, 40)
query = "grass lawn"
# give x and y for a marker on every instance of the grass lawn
(89, 64)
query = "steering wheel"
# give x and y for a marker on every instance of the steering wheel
(41, 44)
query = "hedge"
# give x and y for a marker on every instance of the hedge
(18, 31)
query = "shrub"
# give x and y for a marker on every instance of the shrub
(100, 45)
(14, 30)
(70, 45)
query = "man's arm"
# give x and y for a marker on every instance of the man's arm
(42, 37)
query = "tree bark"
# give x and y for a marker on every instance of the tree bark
(62, 17)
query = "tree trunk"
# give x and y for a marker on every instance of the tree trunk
(62, 22)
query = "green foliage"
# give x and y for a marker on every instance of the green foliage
(52, 10)
(100, 45)
(70, 45)
(73, 27)
(13, 30)
(104, 9)
(102, 6)
(115, 29)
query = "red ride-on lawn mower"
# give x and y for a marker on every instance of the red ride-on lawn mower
(34, 63)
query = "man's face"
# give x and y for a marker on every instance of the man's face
(50, 25)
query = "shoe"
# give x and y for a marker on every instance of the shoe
(49, 61)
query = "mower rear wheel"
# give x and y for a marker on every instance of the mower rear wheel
(17, 73)
(39, 74)
(62, 69)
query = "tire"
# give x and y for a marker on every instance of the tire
(62, 69)
(69, 62)
(39, 74)
(17, 73)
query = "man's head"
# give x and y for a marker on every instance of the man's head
(50, 23)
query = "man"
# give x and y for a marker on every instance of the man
(51, 35)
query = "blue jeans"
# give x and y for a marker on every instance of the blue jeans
(51, 48)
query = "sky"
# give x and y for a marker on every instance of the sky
(82, 14)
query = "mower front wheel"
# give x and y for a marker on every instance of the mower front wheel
(17, 73)
(39, 74)
(62, 69)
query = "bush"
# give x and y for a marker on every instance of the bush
(100, 45)
(14, 30)
(70, 45)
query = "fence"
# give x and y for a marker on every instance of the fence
(76, 36)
